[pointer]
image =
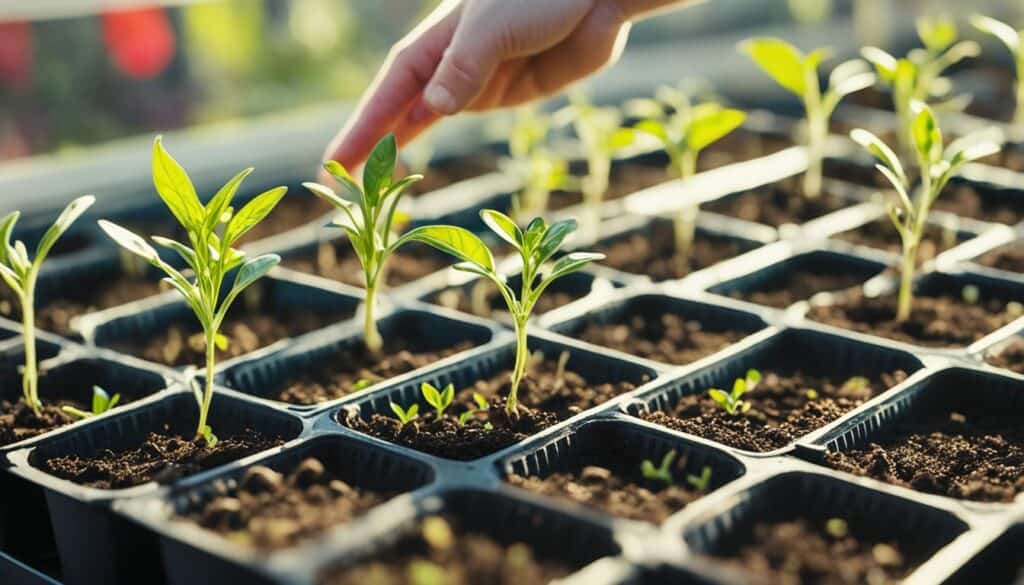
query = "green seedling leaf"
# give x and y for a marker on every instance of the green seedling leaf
(937, 33)
(1000, 30)
(701, 482)
(881, 151)
(71, 213)
(129, 241)
(837, 528)
(405, 415)
(663, 472)
(779, 59)
(218, 210)
(207, 434)
(221, 341)
(927, 136)
(175, 188)
(361, 384)
(254, 269)
(503, 226)
(6, 229)
(380, 166)
(710, 124)
(252, 213)
(459, 242)
(439, 399)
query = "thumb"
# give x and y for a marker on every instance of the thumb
(468, 63)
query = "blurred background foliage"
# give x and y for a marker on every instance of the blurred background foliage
(80, 72)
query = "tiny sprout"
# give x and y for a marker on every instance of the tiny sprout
(21, 274)
(536, 245)
(361, 384)
(661, 473)
(856, 383)
(369, 214)
(481, 406)
(837, 528)
(732, 401)
(212, 229)
(405, 415)
(439, 399)
(812, 394)
(700, 482)
(937, 164)
(101, 403)
(971, 294)
(208, 436)
(541, 170)
(798, 73)
(1012, 39)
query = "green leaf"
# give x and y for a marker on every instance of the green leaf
(254, 269)
(211, 439)
(571, 263)
(1002, 31)
(380, 166)
(327, 194)
(719, 396)
(221, 341)
(711, 124)
(221, 202)
(252, 213)
(535, 230)
(880, 150)
(753, 376)
(503, 226)
(342, 175)
(187, 254)
(620, 138)
(653, 127)
(100, 400)
(926, 133)
(553, 238)
(779, 59)
(175, 188)
(431, 394)
(885, 64)
(739, 387)
(480, 401)
(72, 212)
(459, 242)
(6, 229)
(937, 33)
(129, 241)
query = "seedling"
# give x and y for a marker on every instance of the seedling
(1010, 37)
(369, 212)
(602, 135)
(971, 294)
(439, 399)
(910, 215)
(21, 274)
(701, 482)
(837, 528)
(101, 402)
(212, 230)
(541, 170)
(918, 76)
(661, 473)
(798, 73)
(481, 406)
(733, 402)
(405, 415)
(685, 129)
(536, 245)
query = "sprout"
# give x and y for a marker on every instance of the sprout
(369, 214)
(1012, 39)
(537, 244)
(701, 482)
(405, 415)
(661, 473)
(798, 73)
(101, 402)
(601, 132)
(684, 133)
(910, 215)
(212, 230)
(481, 406)
(732, 402)
(918, 76)
(541, 170)
(439, 399)
(21, 274)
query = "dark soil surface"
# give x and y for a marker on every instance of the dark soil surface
(964, 454)
(544, 399)
(55, 316)
(337, 261)
(271, 510)
(882, 235)
(651, 251)
(354, 368)
(940, 321)
(667, 338)
(798, 285)
(183, 344)
(802, 552)
(781, 203)
(1009, 258)
(449, 173)
(295, 210)
(18, 422)
(624, 492)
(967, 201)
(163, 457)
(1010, 356)
(461, 299)
(784, 407)
(439, 552)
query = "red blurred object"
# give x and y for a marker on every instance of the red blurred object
(17, 54)
(141, 41)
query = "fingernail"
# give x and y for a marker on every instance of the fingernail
(439, 99)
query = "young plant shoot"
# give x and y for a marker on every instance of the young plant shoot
(684, 129)
(733, 402)
(536, 245)
(369, 214)
(21, 275)
(1010, 37)
(918, 76)
(663, 472)
(798, 74)
(541, 170)
(602, 135)
(101, 402)
(212, 230)
(910, 214)
(405, 415)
